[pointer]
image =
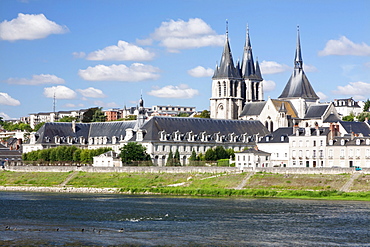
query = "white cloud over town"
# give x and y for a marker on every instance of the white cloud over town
(60, 92)
(181, 91)
(268, 85)
(136, 72)
(180, 34)
(200, 71)
(105, 105)
(343, 47)
(123, 51)
(29, 27)
(4, 116)
(271, 67)
(6, 99)
(36, 80)
(91, 93)
(358, 90)
(70, 105)
(322, 96)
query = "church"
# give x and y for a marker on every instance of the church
(237, 93)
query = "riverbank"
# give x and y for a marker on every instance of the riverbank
(346, 186)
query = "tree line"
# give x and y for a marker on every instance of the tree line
(64, 154)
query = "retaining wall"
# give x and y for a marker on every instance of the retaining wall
(184, 169)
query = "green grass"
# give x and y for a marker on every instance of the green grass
(32, 178)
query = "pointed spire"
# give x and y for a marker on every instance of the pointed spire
(258, 70)
(298, 61)
(226, 68)
(248, 68)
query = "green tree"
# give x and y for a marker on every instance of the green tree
(38, 126)
(94, 114)
(349, 118)
(67, 119)
(367, 105)
(362, 117)
(133, 151)
(183, 114)
(231, 153)
(193, 156)
(221, 153)
(170, 159)
(177, 158)
(205, 114)
(210, 155)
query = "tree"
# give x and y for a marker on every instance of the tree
(367, 105)
(210, 155)
(182, 114)
(221, 153)
(177, 158)
(170, 159)
(362, 117)
(38, 126)
(67, 119)
(94, 115)
(133, 151)
(349, 118)
(193, 156)
(204, 114)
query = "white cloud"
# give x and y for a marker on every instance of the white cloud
(29, 27)
(91, 92)
(181, 92)
(268, 85)
(200, 72)
(61, 92)
(36, 80)
(79, 54)
(195, 33)
(6, 99)
(123, 51)
(358, 90)
(322, 96)
(5, 116)
(136, 72)
(105, 105)
(70, 105)
(309, 68)
(271, 67)
(343, 47)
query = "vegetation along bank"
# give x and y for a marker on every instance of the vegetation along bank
(346, 186)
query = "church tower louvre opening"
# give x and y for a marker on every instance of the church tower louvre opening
(234, 85)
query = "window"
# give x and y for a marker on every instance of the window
(331, 153)
(321, 153)
(321, 142)
(314, 143)
(314, 154)
(350, 154)
(342, 153)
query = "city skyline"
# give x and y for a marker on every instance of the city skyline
(108, 53)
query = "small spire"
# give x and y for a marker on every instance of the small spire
(298, 62)
(227, 28)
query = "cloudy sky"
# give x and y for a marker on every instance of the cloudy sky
(88, 53)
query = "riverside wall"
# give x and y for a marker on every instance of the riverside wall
(184, 169)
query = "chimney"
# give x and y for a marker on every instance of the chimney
(74, 126)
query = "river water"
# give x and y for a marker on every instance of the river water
(61, 219)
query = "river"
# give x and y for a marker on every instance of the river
(62, 219)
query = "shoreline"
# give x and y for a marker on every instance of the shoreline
(66, 189)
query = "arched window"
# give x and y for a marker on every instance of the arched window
(224, 89)
(219, 89)
(271, 126)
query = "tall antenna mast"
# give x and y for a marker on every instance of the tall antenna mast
(54, 103)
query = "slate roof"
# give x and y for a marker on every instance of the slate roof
(316, 111)
(356, 127)
(290, 110)
(226, 68)
(254, 151)
(275, 137)
(197, 125)
(109, 129)
(252, 108)
(49, 130)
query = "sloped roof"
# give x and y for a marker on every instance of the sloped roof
(115, 128)
(356, 127)
(226, 68)
(197, 125)
(298, 86)
(332, 118)
(252, 108)
(49, 130)
(288, 106)
(254, 151)
(316, 111)
(275, 137)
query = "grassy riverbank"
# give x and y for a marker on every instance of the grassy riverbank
(267, 185)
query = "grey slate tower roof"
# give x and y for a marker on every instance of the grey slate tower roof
(248, 69)
(298, 85)
(226, 68)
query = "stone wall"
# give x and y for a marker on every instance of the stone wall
(185, 169)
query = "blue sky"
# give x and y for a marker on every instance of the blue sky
(106, 53)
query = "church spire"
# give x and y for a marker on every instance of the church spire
(248, 68)
(226, 68)
(298, 61)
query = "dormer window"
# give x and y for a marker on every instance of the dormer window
(358, 142)
(342, 142)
